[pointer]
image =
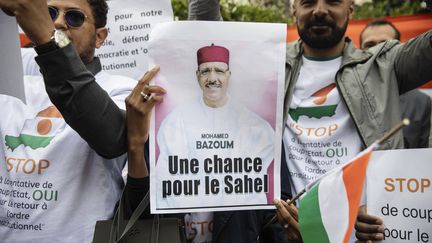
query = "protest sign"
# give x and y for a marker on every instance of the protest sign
(11, 78)
(399, 189)
(216, 138)
(125, 50)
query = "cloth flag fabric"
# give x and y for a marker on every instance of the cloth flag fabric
(328, 211)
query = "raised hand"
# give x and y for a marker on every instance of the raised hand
(32, 16)
(138, 112)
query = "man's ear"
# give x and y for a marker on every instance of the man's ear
(351, 9)
(293, 10)
(101, 35)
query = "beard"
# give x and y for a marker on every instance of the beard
(87, 50)
(87, 54)
(322, 40)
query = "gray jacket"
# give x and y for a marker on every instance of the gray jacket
(371, 81)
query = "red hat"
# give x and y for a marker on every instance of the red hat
(213, 54)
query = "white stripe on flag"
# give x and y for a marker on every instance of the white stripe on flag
(334, 215)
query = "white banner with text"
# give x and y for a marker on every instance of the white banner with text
(125, 51)
(399, 189)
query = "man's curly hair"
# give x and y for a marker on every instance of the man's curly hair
(100, 11)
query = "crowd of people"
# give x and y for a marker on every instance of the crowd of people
(101, 121)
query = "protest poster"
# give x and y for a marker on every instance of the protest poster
(11, 79)
(399, 190)
(216, 139)
(125, 51)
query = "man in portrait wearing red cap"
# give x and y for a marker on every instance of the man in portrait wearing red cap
(213, 74)
(212, 125)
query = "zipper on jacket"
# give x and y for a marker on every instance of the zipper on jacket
(295, 72)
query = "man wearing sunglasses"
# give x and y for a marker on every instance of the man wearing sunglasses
(54, 186)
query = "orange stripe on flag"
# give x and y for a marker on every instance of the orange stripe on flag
(354, 175)
(427, 85)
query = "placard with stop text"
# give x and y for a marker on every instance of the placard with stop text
(399, 190)
(215, 140)
(125, 50)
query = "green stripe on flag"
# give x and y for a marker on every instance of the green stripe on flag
(311, 226)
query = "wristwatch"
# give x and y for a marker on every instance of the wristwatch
(58, 40)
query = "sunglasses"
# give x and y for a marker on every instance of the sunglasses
(74, 18)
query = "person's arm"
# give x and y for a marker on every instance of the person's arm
(85, 106)
(413, 61)
(138, 112)
(33, 18)
(204, 10)
(276, 232)
(287, 214)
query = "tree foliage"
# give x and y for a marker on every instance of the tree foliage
(232, 11)
(180, 8)
(275, 10)
(377, 9)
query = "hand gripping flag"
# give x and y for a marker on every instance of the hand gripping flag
(328, 211)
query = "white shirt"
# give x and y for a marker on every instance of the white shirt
(319, 134)
(30, 66)
(66, 186)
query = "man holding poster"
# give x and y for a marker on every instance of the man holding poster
(227, 147)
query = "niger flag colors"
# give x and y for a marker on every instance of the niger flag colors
(328, 211)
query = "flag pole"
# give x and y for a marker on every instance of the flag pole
(289, 202)
(394, 130)
(391, 133)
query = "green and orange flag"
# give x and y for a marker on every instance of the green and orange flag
(328, 211)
